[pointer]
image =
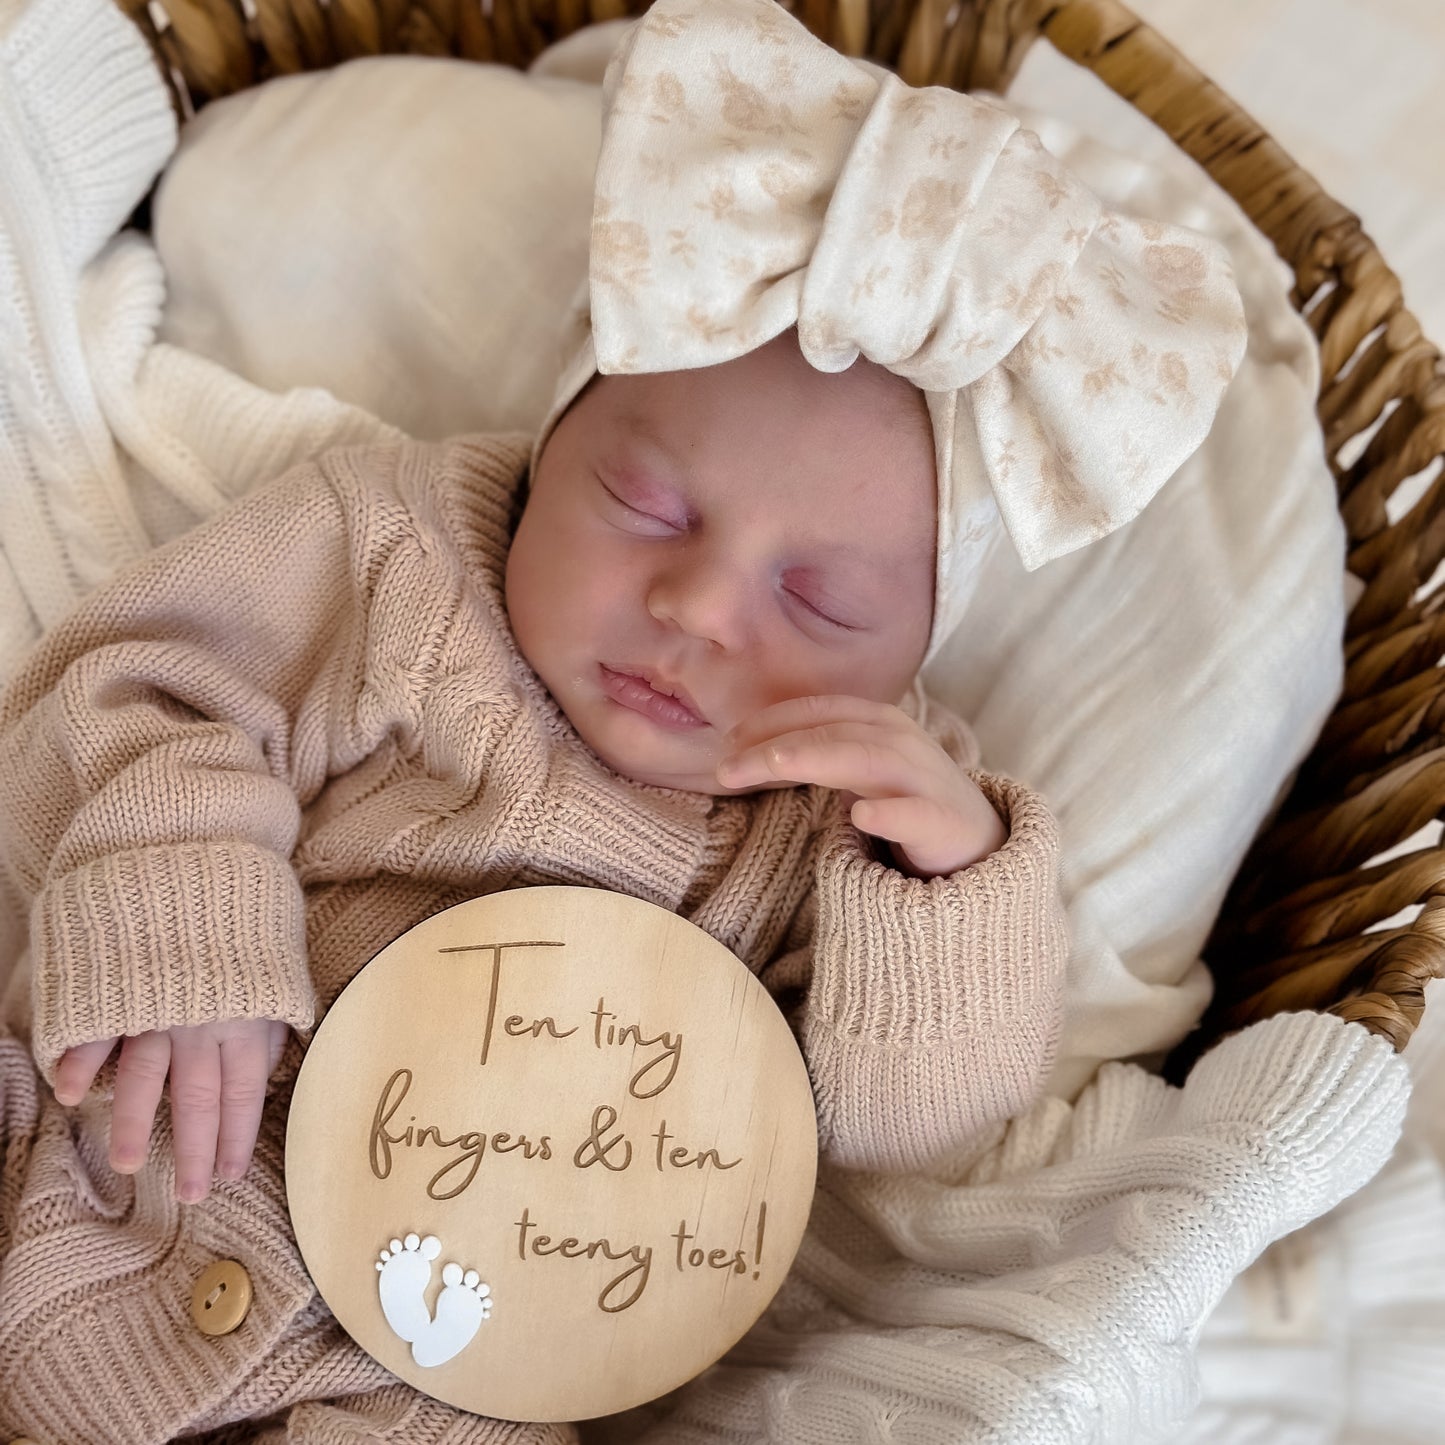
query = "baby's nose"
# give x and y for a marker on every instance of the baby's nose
(702, 598)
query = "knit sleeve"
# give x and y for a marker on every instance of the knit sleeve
(150, 771)
(934, 1007)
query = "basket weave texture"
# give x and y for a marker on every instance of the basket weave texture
(1305, 925)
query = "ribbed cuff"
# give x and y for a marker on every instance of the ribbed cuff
(907, 962)
(94, 110)
(894, 1112)
(1320, 1102)
(161, 937)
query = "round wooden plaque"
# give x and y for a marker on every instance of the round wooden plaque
(550, 1154)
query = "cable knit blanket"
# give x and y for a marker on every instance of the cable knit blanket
(1053, 1290)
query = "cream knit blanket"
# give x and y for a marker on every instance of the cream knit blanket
(1052, 1293)
(1049, 1292)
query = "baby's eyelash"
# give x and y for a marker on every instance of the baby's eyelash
(818, 611)
(637, 511)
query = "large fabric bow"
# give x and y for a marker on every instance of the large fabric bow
(752, 179)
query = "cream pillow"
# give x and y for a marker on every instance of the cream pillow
(1161, 685)
(406, 232)
(409, 233)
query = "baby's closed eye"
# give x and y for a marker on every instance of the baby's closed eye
(805, 590)
(820, 610)
(646, 507)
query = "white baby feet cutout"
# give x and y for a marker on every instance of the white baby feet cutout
(461, 1308)
(405, 1274)
(463, 1304)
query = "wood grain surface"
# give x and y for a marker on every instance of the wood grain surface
(586, 1100)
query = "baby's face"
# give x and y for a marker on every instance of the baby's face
(698, 545)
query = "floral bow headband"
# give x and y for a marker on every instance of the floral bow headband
(751, 179)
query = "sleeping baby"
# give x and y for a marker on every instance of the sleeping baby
(841, 337)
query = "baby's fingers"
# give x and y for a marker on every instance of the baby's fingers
(77, 1069)
(899, 820)
(929, 838)
(140, 1078)
(799, 714)
(195, 1110)
(246, 1064)
(852, 757)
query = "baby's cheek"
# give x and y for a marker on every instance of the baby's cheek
(774, 681)
(883, 672)
(555, 587)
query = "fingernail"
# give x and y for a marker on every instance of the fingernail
(191, 1192)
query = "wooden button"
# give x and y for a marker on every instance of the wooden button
(221, 1298)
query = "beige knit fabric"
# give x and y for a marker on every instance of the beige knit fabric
(254, 759)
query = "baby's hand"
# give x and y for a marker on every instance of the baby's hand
(907, 789)
(218, 1076)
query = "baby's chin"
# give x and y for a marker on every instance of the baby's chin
(689, 767)
(680, 780)
(697, 775)
(695, 778)
(655, 757)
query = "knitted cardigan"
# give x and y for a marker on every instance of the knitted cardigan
(1048, 1292)
(246, 764)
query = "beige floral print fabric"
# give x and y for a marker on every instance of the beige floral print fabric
(752, 179)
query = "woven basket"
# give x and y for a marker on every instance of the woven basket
(1295, 930)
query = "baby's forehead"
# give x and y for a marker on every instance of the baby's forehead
(862, 399)
(865, 424)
